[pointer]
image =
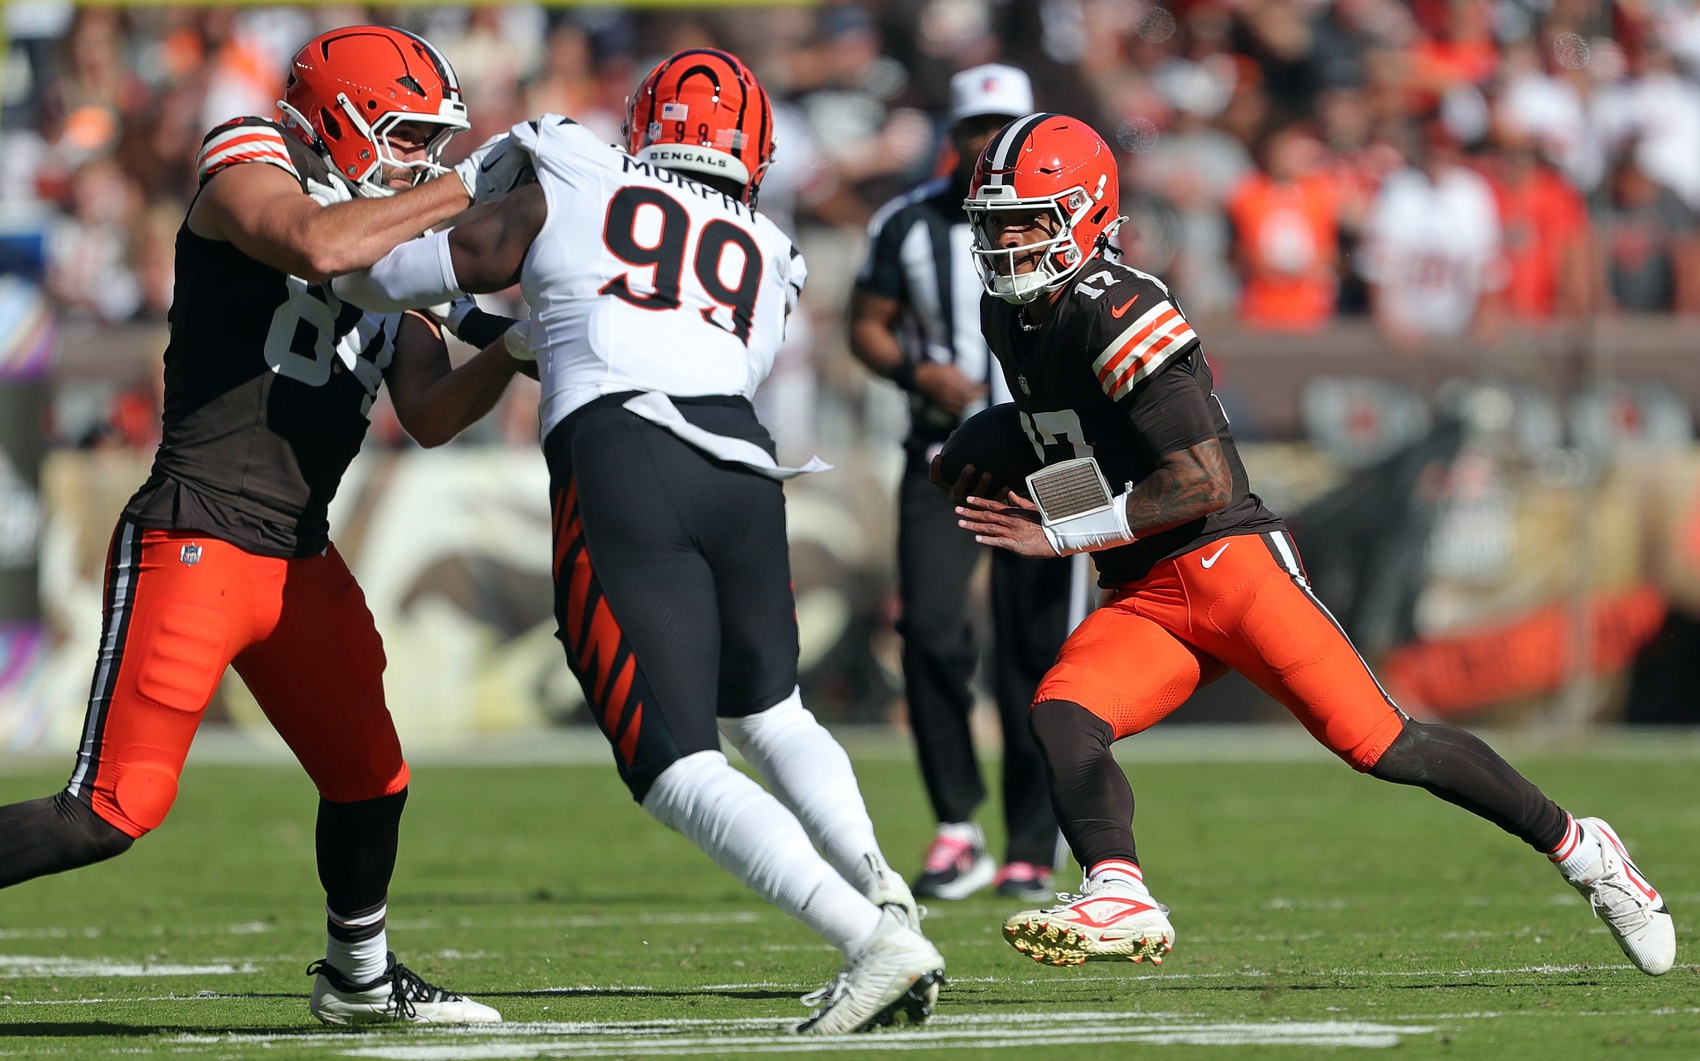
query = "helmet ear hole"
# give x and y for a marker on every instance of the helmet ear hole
(1099, 216)
(333, 128)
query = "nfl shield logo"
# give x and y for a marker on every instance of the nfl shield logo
(191, 554)
(1025, 389)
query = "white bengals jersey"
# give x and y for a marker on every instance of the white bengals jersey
(645, 280)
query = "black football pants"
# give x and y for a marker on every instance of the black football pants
(672, 580)
(1029, 604)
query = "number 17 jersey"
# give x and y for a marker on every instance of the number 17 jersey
(645, 280)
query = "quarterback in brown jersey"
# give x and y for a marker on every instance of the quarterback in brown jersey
(223, 556)
(1116, 397)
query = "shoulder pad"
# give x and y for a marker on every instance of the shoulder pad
(1138, 328)
(248, 139)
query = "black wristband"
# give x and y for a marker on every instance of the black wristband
(903, 375)
(479, 329)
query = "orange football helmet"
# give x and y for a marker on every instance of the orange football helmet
(1046, 163)
(350, 87)
(703, 111)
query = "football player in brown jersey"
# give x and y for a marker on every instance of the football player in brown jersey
(223, 557)
(1141, 470)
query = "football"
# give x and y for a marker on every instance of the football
(992, 440)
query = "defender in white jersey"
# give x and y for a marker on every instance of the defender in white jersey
(659, 300)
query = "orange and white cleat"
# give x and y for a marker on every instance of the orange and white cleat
(1627, 902)
(1109, 921)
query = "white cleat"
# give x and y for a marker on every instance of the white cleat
(1107, 922)
(886, 888)
(397, 996)
(897, 975)
(1627, 902)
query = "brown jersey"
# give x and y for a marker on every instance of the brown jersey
(268, 380)
(1102, 377)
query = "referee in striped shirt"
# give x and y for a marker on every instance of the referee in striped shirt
(915, 319)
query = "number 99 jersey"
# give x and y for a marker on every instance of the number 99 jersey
(645, 280)
(1117, 373)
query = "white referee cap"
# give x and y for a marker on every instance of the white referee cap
(990, 89)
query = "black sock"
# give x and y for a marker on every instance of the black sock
(1091, 795)
(1460, 768)
(356, 845)
(54, 834)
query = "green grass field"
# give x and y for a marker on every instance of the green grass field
(1316, 910)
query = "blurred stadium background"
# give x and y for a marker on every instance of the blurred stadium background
(1477, 406)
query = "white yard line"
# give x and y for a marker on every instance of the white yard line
(20, 965)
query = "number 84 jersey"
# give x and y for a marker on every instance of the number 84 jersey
(1117, 373)
(268, 380)
(645, 280)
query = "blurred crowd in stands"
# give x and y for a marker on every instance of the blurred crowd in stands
(1448, 167)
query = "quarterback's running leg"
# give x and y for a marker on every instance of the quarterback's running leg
(175, 610)
(636, 513)
(331, 713)
(1116, 675)
(1254, 608)
(935, 561)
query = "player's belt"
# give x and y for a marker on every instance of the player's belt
(659, 410)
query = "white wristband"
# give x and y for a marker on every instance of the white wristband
(417, 274)
(1104, 529)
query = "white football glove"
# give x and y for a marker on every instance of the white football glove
(518, 342)
(326, 194)
(497, 167)
(450, 314)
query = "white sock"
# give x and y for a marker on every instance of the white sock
(809, 772)
(967, 832)
(1576, 852)
(1118, 870)
(362, 960)
(751, 836)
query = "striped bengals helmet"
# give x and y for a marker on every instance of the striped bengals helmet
(350, 87)
(703, 111)
(1046, 163)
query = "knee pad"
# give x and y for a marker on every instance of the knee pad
(138, 798)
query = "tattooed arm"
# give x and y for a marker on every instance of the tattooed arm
(1189, 484)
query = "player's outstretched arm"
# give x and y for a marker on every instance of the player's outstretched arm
(483, 254)
(263, 212)
(489, 251)
(434, 400)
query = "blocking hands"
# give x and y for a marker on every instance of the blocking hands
(495, 168)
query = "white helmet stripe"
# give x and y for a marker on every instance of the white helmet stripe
(1010, 141)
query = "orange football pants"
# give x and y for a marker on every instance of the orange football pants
(1241, 602)
(181, 607)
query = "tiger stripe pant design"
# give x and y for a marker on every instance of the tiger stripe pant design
(672, 583)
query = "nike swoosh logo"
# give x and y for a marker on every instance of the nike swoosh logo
(1210, 561)
(1117, 311)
